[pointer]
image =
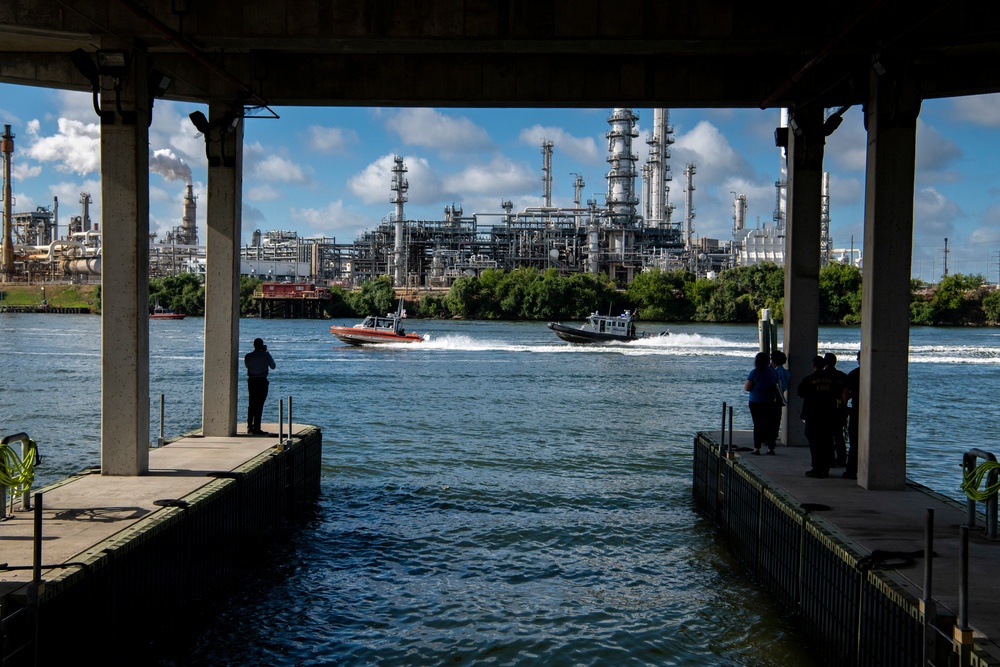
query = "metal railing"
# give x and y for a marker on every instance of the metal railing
(17, 472)
(970, 485)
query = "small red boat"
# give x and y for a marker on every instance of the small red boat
(161, 313)
(376, 330)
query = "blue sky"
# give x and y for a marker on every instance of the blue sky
(325, 171)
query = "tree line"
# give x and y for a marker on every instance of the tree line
(736, 295)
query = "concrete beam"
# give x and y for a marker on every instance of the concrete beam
(801, 318)
(891, 118)
(224, 145)
(125, 271)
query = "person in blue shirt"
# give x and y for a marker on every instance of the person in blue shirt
(762, 384)
(257, 362)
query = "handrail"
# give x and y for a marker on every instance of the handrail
(17, 472)
(970, 485)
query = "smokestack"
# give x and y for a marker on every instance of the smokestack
(8, 225)
(189, 223)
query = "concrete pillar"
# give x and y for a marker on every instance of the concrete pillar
(125, 268)
(802, 236)
(891, 119)
(224, 145)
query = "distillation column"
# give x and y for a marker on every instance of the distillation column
(689, 173)
(781, 185)
(8, 224)
(546, 173)
(658, 162)
(398, 197)
(825, 242)
(621, 199)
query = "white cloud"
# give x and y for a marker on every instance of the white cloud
(981, 110)
(75, 148)
(934, 150)
(373, 183)
(23, 171)
(277, 169)
(501, 177)
(933, 213)
(330, 139)
(262, 193)
(431, 129)
(581, 149)
(714, 158)
(331, 220)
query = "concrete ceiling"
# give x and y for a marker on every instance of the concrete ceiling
(515, 53)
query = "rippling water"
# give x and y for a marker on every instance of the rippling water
(492, 496)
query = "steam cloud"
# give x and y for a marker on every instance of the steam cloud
(165, 163)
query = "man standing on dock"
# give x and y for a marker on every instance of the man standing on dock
(257, 362)
(820, 393)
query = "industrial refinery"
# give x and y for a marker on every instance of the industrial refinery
(632, 230)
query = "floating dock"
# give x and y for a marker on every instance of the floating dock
(849, 563)
(120, 560)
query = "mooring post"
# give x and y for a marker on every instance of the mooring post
(289, 417)
(962, 634)
(930, 607)
(722, 432)
(731, 428)
(281, 421)
(160, 440)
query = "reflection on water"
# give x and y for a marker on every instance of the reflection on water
(493, 495)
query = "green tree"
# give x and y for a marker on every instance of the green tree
(839, 294)
(957, 299)
(661, 295)
(183, 293)
(376, 297)
(991, 307)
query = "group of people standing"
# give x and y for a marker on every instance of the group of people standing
(768, 387)
(829, 404)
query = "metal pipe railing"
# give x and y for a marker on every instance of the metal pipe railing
(969, 460)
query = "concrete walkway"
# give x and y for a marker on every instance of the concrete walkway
(84, 510)
(895, 521)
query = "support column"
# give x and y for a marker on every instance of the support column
(802, 237)
(891, 119)
(125, 267)
(224, 146)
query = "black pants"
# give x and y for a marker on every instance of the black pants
(819, 434)
(258, 394)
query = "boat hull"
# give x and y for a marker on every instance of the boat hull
(583, 337)
(364, 336)
(167, 316)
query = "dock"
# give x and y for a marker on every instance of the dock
(124, 557)
(849, 563)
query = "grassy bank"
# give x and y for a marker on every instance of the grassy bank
(57, 296)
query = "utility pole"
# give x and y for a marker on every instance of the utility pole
(946, 257)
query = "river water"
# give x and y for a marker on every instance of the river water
(493, 495)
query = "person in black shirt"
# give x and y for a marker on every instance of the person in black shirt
(840, 416)
(820, 393)
(257, 362)
(852, 393)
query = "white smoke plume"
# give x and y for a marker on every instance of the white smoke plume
(165, 163)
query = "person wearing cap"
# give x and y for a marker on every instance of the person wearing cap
(257, 362)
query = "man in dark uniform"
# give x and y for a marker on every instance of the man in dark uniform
(257, 362)
(852, 393)
(820, 393)
(840, 416)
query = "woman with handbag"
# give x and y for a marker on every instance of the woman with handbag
(761, 383)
